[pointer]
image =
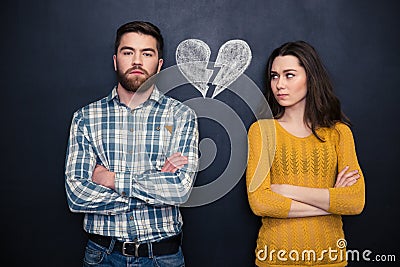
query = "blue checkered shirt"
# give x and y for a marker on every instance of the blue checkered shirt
(134, 144)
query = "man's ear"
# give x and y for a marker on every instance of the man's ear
(160, 63)
(115, 62)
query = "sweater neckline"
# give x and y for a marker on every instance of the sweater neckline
(292, 135)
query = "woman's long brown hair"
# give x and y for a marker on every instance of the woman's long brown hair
(323, 108)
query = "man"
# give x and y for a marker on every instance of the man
(131, 160)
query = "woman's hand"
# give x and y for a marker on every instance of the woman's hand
(345, 178)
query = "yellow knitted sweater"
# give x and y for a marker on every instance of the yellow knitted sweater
(305, 162)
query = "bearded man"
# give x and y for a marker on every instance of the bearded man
(131, 161)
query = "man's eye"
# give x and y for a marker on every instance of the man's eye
(127, 53)
(147, 54)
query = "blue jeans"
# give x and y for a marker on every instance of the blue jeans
(99, 256)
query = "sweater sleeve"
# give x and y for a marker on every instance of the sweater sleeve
(263, 201)
(347, 200)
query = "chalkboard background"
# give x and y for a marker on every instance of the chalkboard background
(57, 56)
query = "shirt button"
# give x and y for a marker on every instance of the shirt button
(131, 217)
(123, 194)
(158, 128)
(131, 130)
(132, 111)
(147, 201)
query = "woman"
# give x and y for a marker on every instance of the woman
(314, 176)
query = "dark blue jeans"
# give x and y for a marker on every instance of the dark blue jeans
(96, 255)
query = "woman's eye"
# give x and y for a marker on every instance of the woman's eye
(274, 76)
(289, 75)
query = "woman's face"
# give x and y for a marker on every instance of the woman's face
(288, 81)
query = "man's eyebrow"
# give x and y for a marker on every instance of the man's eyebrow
(127, 48)
(132, 49)
(148, 49)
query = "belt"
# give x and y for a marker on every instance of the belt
(134, 248)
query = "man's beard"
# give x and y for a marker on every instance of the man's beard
(133, 84)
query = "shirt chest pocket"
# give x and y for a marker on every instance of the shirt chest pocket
(158, 140)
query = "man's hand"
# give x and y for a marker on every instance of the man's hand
(174, 162)
(102, 176)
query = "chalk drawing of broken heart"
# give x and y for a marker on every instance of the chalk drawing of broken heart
(193, 56)
(233, 58)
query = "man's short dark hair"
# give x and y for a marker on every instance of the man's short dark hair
(142, 27)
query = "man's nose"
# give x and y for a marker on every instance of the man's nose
(137, 59)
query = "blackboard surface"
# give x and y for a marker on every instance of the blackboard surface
(57, 57)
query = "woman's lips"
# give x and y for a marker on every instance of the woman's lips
(281, 95)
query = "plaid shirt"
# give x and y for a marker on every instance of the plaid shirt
(134, 144)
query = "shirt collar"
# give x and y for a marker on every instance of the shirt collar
(156, 95)
(113, 94)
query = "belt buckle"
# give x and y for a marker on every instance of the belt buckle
(135, 243)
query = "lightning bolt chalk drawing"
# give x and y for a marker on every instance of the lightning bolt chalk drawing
(192, 57)
(233, 58)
